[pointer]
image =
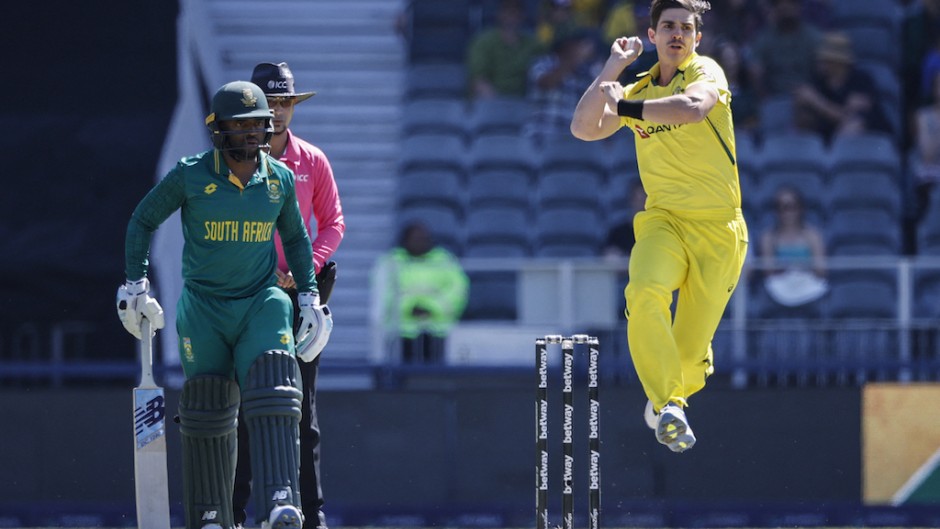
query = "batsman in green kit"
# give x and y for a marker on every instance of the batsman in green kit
(236, 338)
(691, 237)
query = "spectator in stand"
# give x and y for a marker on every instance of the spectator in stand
(620, 238)
(793, 253)
(629, 18)
(620, 20)
(928, 72)
(556, 18)
(590, 13)
(746, 104)
(423, 293)
(841, 98)
(784, 53)
(557, 80)
(498, 58)
(919, 30)
(736, 21)
(927, 147)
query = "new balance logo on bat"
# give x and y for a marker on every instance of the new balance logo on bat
(150, 414)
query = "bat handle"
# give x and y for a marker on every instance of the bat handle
(146, 354)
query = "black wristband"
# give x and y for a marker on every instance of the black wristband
(630, 108)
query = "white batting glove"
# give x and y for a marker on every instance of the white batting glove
(316, 324)
(134, 303)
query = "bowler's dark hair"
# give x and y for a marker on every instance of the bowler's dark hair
(696, 7)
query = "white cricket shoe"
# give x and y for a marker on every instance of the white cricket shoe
(284, 517)
(672, 428)
(650, 416)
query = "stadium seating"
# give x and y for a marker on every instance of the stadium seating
(502, 151)
(875, 43)
(435, 116)
(435, 81)
(568, 232)
(432, 151)
(499, 187)
(776, 116)
(504, 225)
(499, 115)
(794, 152)
(444, 223)
(570, 187)
(872, 151)
(864, 188)
(621, 151)
(564, 152)
(863, 232)
(438, 31)
(421, 187)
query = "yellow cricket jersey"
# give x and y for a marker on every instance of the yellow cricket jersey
(692, 166)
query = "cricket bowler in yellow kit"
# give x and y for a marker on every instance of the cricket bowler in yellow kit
(691, 237)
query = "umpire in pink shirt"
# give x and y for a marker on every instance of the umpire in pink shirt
(318, 198)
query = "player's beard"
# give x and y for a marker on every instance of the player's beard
(240, 150)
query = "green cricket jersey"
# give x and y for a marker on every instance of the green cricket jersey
(228, 230)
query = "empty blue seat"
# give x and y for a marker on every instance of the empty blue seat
(748, 153)
(583, 188)
(794, 152)
(568, 232)
(776, 116)
(439, 187)
(866, 189)
(436, 81)
(434, 116)
(863, 232)
(432, 151)
(499, 187)
(871, 151)
(565, 152)
(622, 156)
(502, 152)
(438, 31)
(498, 115)
(862, 294)
(498, 224)
(482, 248)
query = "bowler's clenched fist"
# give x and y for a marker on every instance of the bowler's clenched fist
(626, 48)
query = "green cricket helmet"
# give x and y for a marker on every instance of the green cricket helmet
(236, 101)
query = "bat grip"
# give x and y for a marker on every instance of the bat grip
(146, 354)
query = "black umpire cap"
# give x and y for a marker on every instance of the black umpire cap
(276, 80)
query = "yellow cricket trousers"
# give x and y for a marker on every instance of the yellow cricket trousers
(701, 254)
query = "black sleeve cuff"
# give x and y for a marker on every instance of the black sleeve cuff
(630, 108)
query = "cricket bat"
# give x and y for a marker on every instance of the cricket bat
(153, 504)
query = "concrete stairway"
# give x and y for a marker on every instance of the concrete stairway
(347, 51)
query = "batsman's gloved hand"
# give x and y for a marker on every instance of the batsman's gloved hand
(134, 303)
(316, 324)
